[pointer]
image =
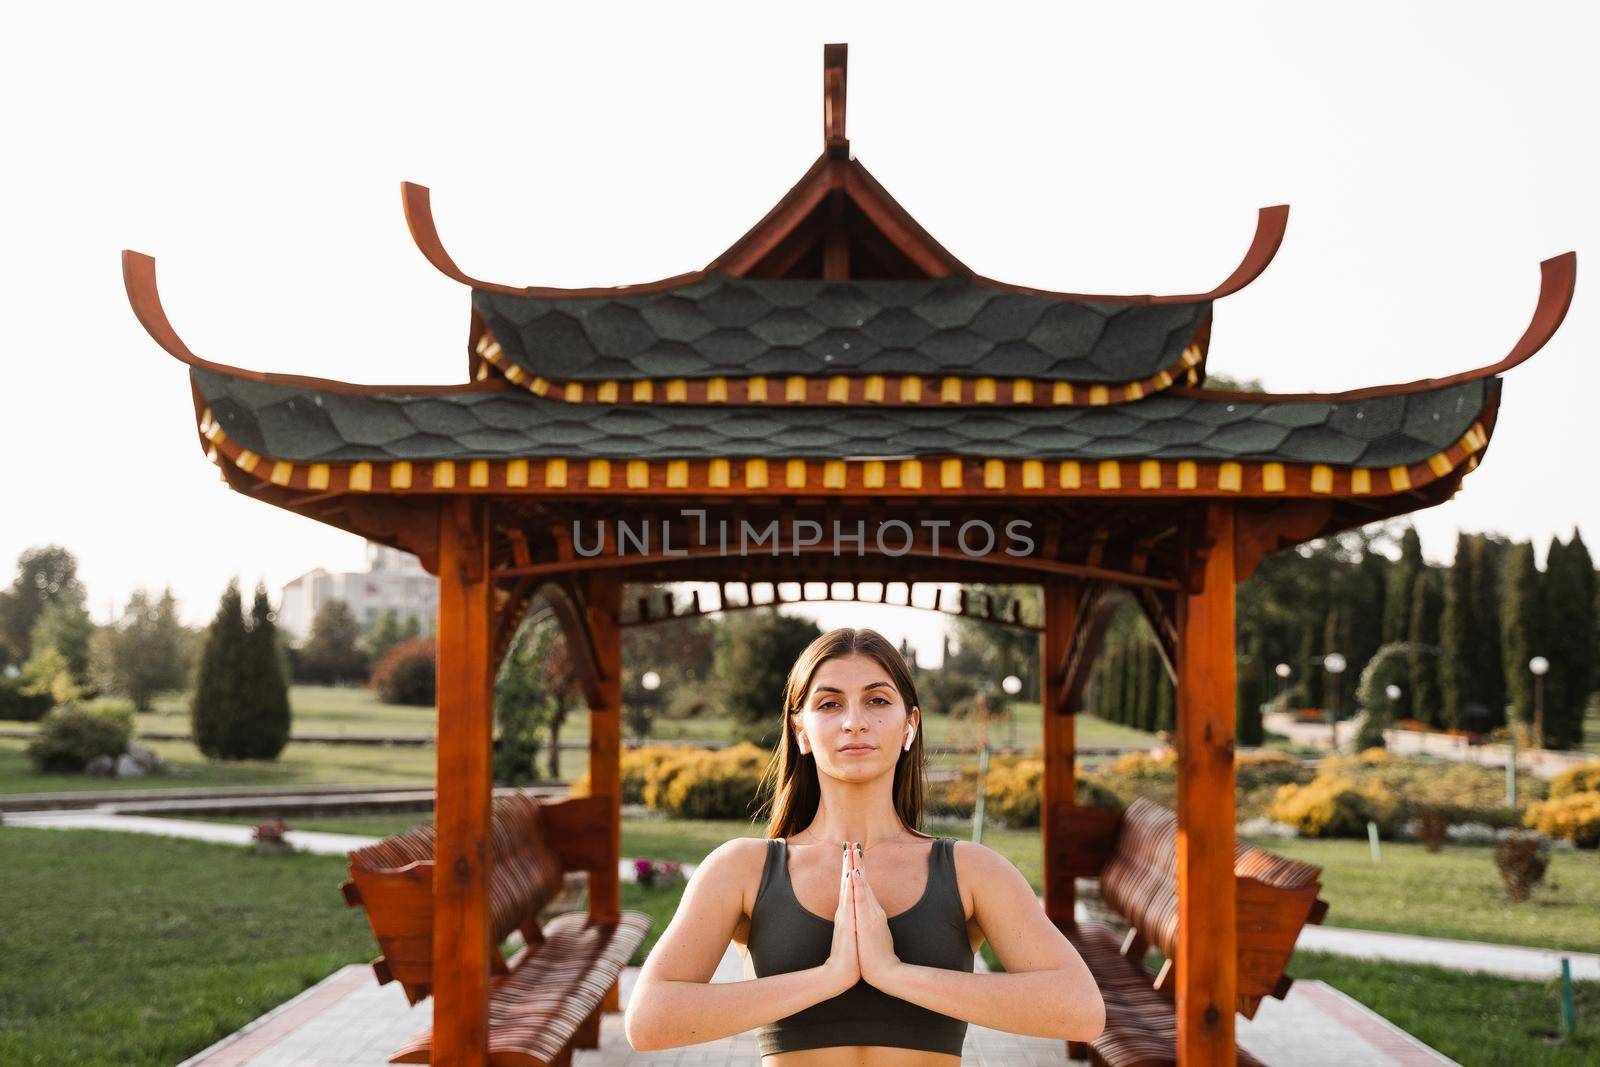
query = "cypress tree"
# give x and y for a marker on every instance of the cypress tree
(1456, 635)
(1149, 669)
(1520, 634)
(221, 685)
(1115, 679)
(1400, 587)
(1570, 579)
(1584, 626)
(264, 729)
(1130, 679)
(1167, 705)
(1427, 604)
(1489, 676)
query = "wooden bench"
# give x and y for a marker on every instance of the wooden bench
(1134, 854)
(545, 1000)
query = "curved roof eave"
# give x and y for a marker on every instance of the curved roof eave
(1557, 280)
(139, 279)
(417, 201)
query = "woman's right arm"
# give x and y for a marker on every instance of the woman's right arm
(675, 1003)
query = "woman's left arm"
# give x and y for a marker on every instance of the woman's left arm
(1046, 990)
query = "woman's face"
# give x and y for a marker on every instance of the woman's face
(854, 718)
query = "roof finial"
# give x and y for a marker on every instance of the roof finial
(833, 90)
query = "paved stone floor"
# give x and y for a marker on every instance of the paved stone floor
(350, 1021)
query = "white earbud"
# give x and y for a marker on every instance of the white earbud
(911, 733)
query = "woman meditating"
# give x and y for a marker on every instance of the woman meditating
(858, 930)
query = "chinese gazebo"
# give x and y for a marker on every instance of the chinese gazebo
(838, 365)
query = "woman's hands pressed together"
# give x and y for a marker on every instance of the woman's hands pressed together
(843, 966)
(874, 943)
(863, 947)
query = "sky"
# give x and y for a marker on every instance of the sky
(1432, 155)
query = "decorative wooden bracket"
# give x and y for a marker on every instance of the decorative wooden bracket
(1263, 529)
(470, 517)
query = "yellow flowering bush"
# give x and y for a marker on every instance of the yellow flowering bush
(1574, 817)
(1333, 806)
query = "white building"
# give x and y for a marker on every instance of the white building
(393, 580)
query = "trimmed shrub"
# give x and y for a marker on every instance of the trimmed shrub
(1332, 806)
(408, 674)
(1583, 779)
(71, 736)
(1574, 817)
(1522, 859)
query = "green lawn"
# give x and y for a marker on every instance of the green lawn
(127, 949)
(317, 709)
(1452, 893)
(1475, 1019)
(297, 765)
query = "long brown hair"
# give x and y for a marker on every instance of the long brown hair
(790, 782)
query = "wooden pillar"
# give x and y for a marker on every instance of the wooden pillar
(1060, 745)
(603, 616)
(463, 789)
(1207, 953)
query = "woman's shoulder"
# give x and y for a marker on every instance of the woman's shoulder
(979, 861)
(734, 866)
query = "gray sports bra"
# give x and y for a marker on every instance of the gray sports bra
(785, 936)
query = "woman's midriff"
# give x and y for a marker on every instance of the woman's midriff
(860, 1056)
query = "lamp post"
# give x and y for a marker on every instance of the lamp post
(1282, 670)
(1539, 666)
(1334, 664)
(1012, 686)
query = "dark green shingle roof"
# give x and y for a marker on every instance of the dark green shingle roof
(727, 326)
(312, 425)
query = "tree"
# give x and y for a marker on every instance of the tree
(755, 650)
(679, 652)
(240, 708)
(524, 706)
(1570, 579)
(65, 628)
(1401, 583)
(332, 654)
(268, 725)
(146, 652)
(383, 635)
(220, 680)
(1457, 688)
(43, 574)
(1427, 606)
(1489, 555)
(1521, 625)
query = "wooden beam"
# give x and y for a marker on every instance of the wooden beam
(1060, 600)
(1207, 979)
(609, 561)
(461, 948)
(602, 616)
